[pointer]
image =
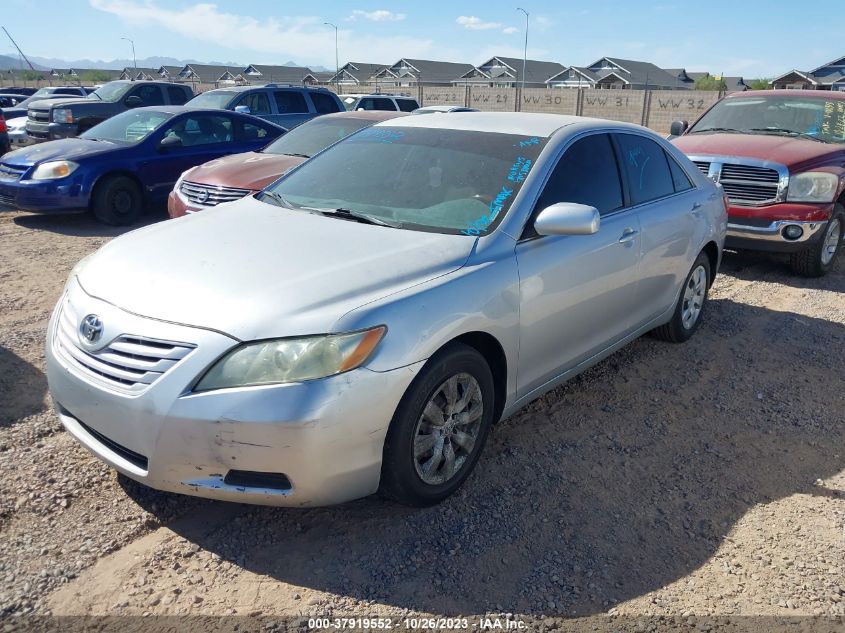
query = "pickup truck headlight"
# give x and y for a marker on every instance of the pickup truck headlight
(812, 186)
(62, 115)
(54, 169)
(291, 359)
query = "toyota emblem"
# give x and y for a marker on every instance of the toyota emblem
(91, 329)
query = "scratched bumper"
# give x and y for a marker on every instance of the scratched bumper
(326, 436)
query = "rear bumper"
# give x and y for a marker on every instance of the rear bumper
(768, 228)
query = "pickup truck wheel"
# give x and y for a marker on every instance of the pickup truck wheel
(439, 428)
(687, 315)
(117, 201)
(819, 259)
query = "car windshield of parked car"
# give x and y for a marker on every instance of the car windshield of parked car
(315, 136)
(214, 99)
(128, 127)
(806, 117)
(111, 91)
(431, 179)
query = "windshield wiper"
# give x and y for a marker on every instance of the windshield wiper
(717, 129)
(783, 130)
(356, 216)
(278, 200)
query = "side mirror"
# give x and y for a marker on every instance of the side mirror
(567, 218)
(678, 127)
(133, 101)
(169, 142)
(243, 109)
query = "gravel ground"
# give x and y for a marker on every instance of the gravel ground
(704, 479)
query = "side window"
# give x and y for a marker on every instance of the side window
(202, 129)
(177, 95)
(66, 91)
(150, 95)
(407, 105)
(257, 102)
(679, 178)
(252, 132)
(646, 168)
(587, 174)
(323, 103)
(376, 103)
(290, 102)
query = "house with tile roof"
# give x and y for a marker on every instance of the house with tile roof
(614, 72)
(259, 73)
(506, 72)
(137, 74)
(356, 73)
(421, 72)
(210, 74)
(830, 76)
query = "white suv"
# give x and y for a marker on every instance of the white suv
(389, 102)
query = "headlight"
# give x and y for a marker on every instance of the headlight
(54, 169)
(62, 115)
(291, 359)
(812, 186)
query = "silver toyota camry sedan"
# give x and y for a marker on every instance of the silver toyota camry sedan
(362, 323)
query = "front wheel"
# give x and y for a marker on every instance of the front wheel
(819, 259)
(117, 201)
(439, 429)
(687, 315)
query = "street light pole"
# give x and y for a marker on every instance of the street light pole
(525, 52)
(336, 57)
(134, 61)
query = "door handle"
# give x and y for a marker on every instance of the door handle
(628, 236)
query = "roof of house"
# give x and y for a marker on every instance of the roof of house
(536, 71)
(430, 71)
(360, 71)
(836, 62)
(323, 76)
(808, 76)
(643, 73)
(110, 72)
(170, 70)
(210, 73)
(283, 74)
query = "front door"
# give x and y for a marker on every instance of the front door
(576, 291)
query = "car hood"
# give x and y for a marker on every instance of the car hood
(785, 150)
(66, 149)
(253, 270)
(45, 104)
(251, 170)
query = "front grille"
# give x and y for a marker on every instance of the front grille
(210, 195)
(129, 363)
(703, 166)
(11, 172)
(746, 181)
(7, 199)
(38, 115)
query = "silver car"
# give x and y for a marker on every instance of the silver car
(361, 324)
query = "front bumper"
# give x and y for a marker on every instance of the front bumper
(49, 131)
(65, 195)
(325, 436)
(766, 228)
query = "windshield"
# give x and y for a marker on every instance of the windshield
(810, 117)
(447, 181)
(215, 99)
(113, 91)
(128, 127)
(315, 136)
(37, 95)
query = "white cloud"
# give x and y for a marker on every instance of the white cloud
(303, 38)
(474, 23)
(542, 22)
(510, 30)
(380, 15)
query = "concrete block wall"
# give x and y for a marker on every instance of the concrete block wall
(671, 105)
(549, 101)
(617, 105)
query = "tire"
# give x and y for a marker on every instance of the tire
(411, 473)
(820, 258)
(117, 201)
(687, 315)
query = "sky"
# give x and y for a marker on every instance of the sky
(751, 38)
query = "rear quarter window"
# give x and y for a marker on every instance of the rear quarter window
(290, 102)
(323, 103)
(177, 95)
(407, 105)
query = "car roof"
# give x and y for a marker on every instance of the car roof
(527, 123)
(365, 115)
(819, 94)
(269, 85)
(380, 94)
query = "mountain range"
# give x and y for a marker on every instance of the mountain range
(46, 63)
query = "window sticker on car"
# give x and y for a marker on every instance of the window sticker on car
(833, 119)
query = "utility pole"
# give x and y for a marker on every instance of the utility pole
(134, 61)
(29, 63)
(524, 54)
(336, 58)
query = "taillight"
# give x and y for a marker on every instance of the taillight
(3, 127)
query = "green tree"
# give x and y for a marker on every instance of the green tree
(759, 84)
(29, 75)
(710, 83)
(95, 76)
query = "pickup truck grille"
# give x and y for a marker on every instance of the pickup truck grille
(746, 183)
(38, 115)
(210, 195)
(129, 363)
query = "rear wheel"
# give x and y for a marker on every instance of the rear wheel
(819, 259)
(687, 315)
(439, 429)
(117, 201)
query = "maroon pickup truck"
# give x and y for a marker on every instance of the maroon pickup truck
(780, 157)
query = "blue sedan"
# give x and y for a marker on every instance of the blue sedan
(118, 167)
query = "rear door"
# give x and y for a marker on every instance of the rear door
(576, 291)
(324, 103)
(669, 213)
(291, 108)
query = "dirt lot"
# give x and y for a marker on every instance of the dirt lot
(700, 479)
